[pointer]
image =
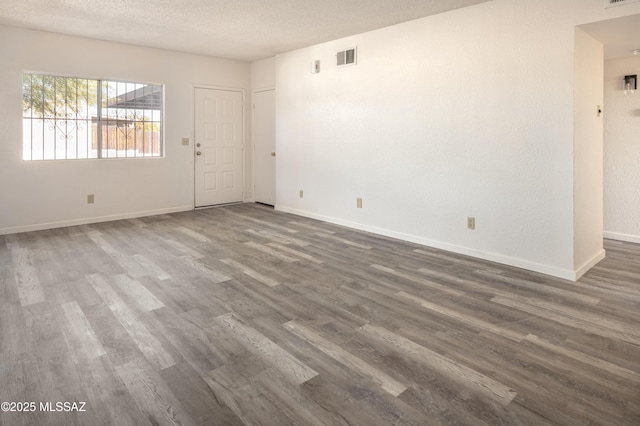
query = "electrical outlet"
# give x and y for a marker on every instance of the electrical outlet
(185, 141)
(90, 199)
(359, 203)
(471, 222)
(301, 193)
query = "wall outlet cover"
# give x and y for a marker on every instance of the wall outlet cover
(471, 222)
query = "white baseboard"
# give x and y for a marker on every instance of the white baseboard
(622, 237)
(565, 274)
(590, 264)
(88, 220)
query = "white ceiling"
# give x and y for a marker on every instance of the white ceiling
(252, 29)
(620, 36)
(239, 29)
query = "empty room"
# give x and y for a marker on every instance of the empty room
(278, 212)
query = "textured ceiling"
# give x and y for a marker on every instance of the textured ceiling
(620, 36)
(238, 29)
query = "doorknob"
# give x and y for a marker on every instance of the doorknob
(198, 153)
(273, 154)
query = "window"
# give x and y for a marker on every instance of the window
(67, 118)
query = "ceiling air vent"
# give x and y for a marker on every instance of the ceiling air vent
(612, 3)
(346, 57)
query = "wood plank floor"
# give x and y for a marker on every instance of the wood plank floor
(243, 315)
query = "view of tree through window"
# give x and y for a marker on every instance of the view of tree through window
(75, 118)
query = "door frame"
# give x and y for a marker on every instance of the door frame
(253, 139)
(194, 87)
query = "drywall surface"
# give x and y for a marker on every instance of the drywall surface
(263, 74)
(467, 113)
(621, 152)
(588, 147)
(44, 194)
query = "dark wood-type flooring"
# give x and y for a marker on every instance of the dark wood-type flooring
(243, 315)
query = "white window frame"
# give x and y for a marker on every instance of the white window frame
(130, 118)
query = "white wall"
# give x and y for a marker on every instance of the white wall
(37, 195)
(263, 74)
(466, 113)
(621, 153)
(588, 147)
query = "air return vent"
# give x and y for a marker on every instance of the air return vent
(346, 57)
(612, 3)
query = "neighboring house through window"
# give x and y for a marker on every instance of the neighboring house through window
(67, 118)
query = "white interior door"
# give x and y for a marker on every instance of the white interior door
(264, 139)
(218, 147)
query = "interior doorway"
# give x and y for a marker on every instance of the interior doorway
(621, 39)
(264, 140)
